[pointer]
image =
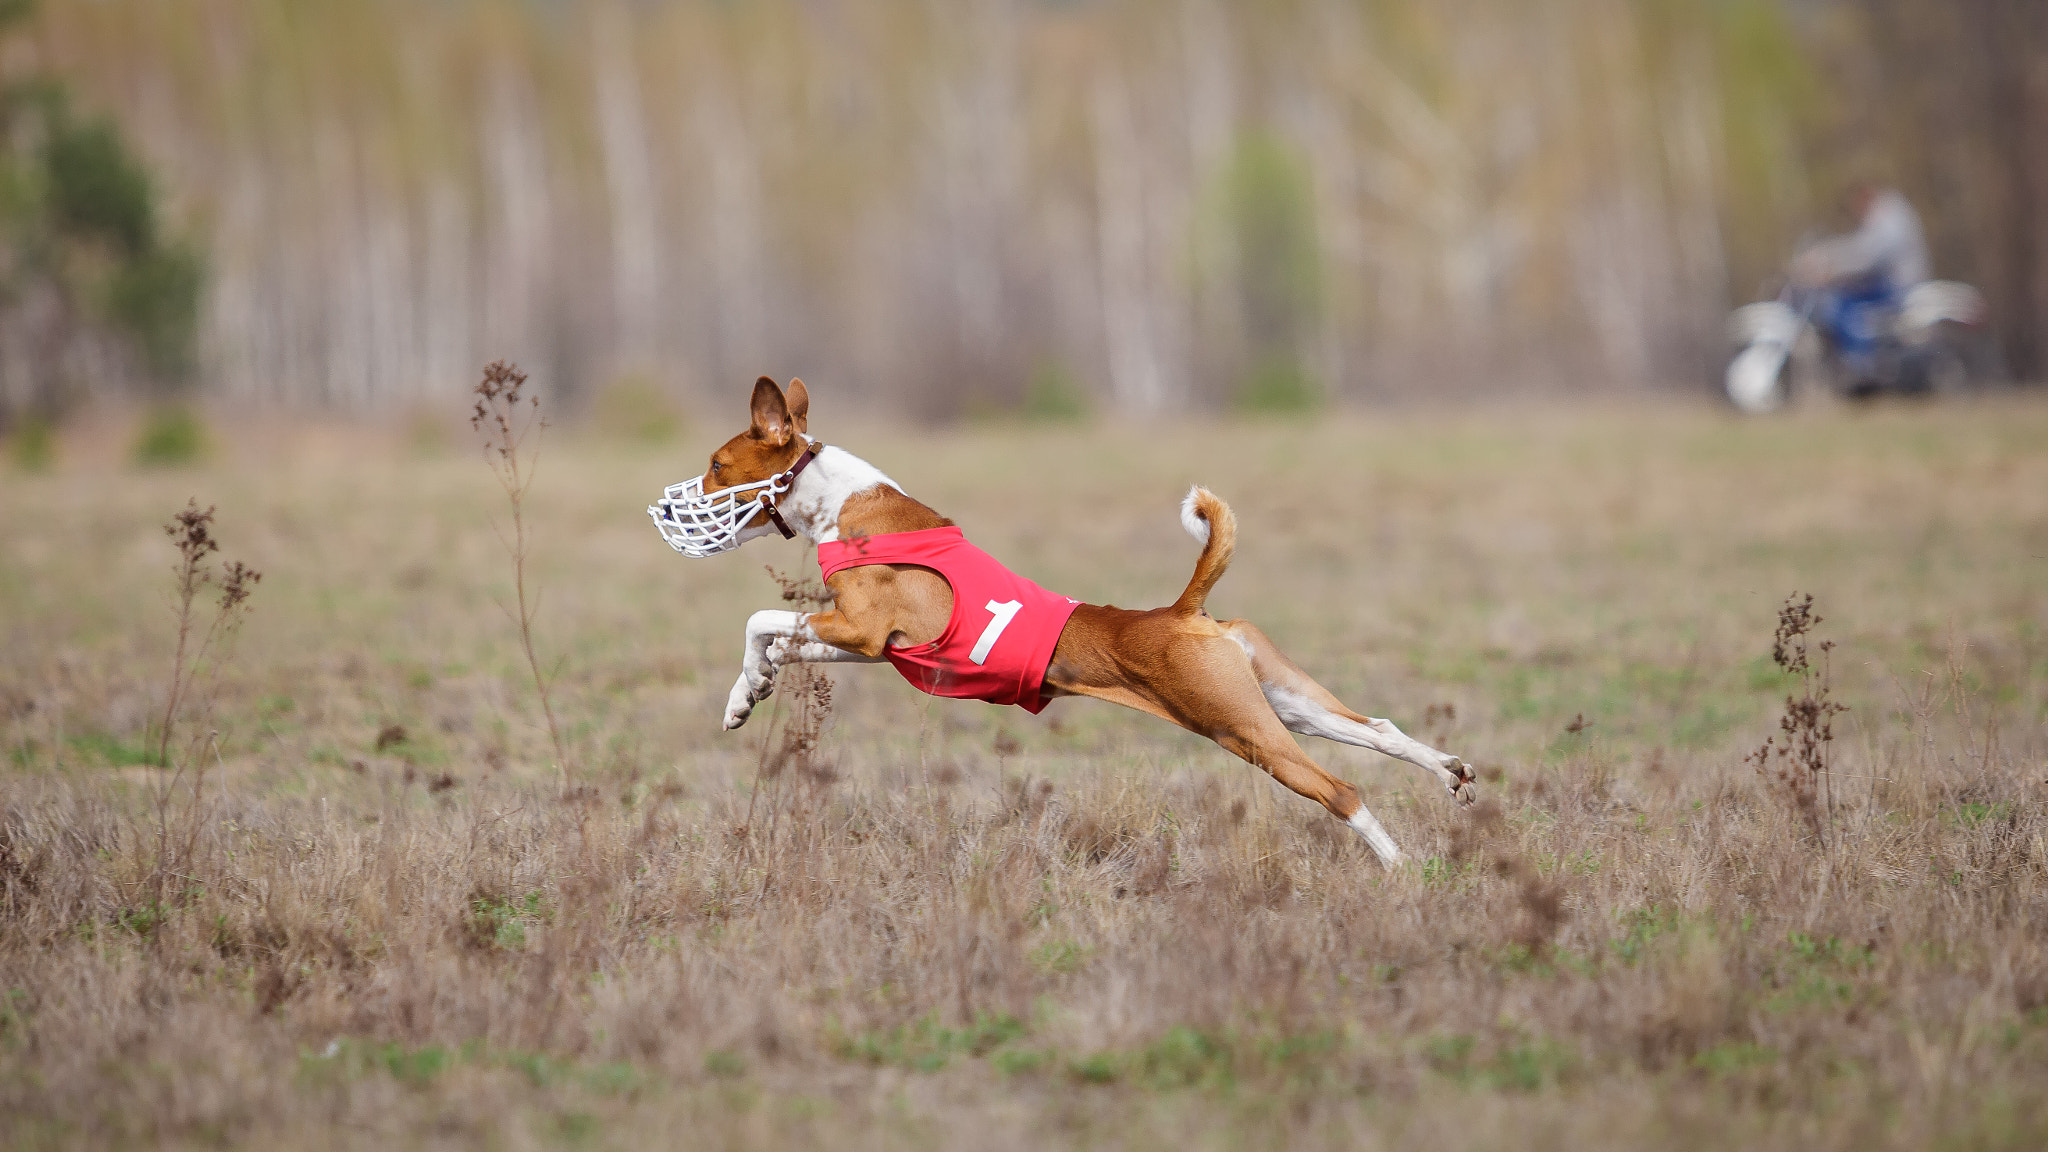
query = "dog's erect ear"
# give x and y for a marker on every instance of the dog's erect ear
(771, 414)
(799, 405)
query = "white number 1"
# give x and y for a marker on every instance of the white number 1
(1005, 612)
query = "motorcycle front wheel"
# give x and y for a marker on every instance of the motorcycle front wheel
(1759, 378)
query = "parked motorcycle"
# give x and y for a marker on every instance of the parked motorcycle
(1933, 343)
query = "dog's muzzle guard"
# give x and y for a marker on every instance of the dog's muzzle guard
(699, 524)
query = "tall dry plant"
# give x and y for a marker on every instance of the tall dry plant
(192, 530)
(791, 745)
(510, 422)
(1800, 766)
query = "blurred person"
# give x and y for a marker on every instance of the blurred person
(1861, 278)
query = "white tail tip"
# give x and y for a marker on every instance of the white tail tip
(1191, 517)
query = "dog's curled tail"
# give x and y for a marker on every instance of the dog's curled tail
(1209, 520)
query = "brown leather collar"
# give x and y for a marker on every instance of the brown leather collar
(771, 498)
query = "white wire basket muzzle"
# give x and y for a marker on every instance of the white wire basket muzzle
(699, 525)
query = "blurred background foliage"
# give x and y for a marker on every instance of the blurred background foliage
(93, 295)
(951, 208)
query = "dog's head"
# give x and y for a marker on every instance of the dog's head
(724, 508)
(769, 445)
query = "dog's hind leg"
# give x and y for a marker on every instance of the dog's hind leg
(1209, 688)
(1260, 740)
(1309, 708)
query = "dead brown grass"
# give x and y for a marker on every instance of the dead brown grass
(944, 925)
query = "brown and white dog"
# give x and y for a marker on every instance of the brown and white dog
(1222, 679)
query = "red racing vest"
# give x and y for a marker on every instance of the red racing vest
(1003, 630)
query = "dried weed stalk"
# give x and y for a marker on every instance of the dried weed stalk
(1800, 765)
(192, 530)
(508, 420)
(793, 749)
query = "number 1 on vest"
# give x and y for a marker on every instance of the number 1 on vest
(1005, 611)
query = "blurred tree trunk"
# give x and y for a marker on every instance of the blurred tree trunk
(1957, 99)
(516, 262)
(629, 179)
(2013, 38)
(978, 139)
(1137, 383)
(733, 228)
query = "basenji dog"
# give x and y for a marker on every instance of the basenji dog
(907, 588)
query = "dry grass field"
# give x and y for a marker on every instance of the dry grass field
(374, 912)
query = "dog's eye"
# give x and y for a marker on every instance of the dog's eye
(715, 466)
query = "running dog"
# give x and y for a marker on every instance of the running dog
(908, 588)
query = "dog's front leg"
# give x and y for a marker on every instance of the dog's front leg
(774, 639)
(766, 631)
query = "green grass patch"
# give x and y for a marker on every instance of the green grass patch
(1020, 1061)
(327, 754)
(1830, 950)
(1734, 1057)
(610, 1078)
(1100, 1068)
(13, 1019)
(1060, 957)
(416, 1067)
(142, 920)
(1184, 1058)
(1762, 674)
(1441, 871)
(171, 437)
(1054, 395)
(1279, 386)
(33, 444)
(1521, 960)
(501, 922)
(1520, 1064)
(1641, 928)
(115, 752)
(1975, 815)
(413, 750)
(421, 1066)
(576, 1127)
(1816, 972)
(1707, 725)
(925, 1045)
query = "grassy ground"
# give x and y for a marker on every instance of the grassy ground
(386, 917)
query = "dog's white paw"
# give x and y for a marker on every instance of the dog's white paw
(759, 678)
(1464, 785)
(739, 705)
